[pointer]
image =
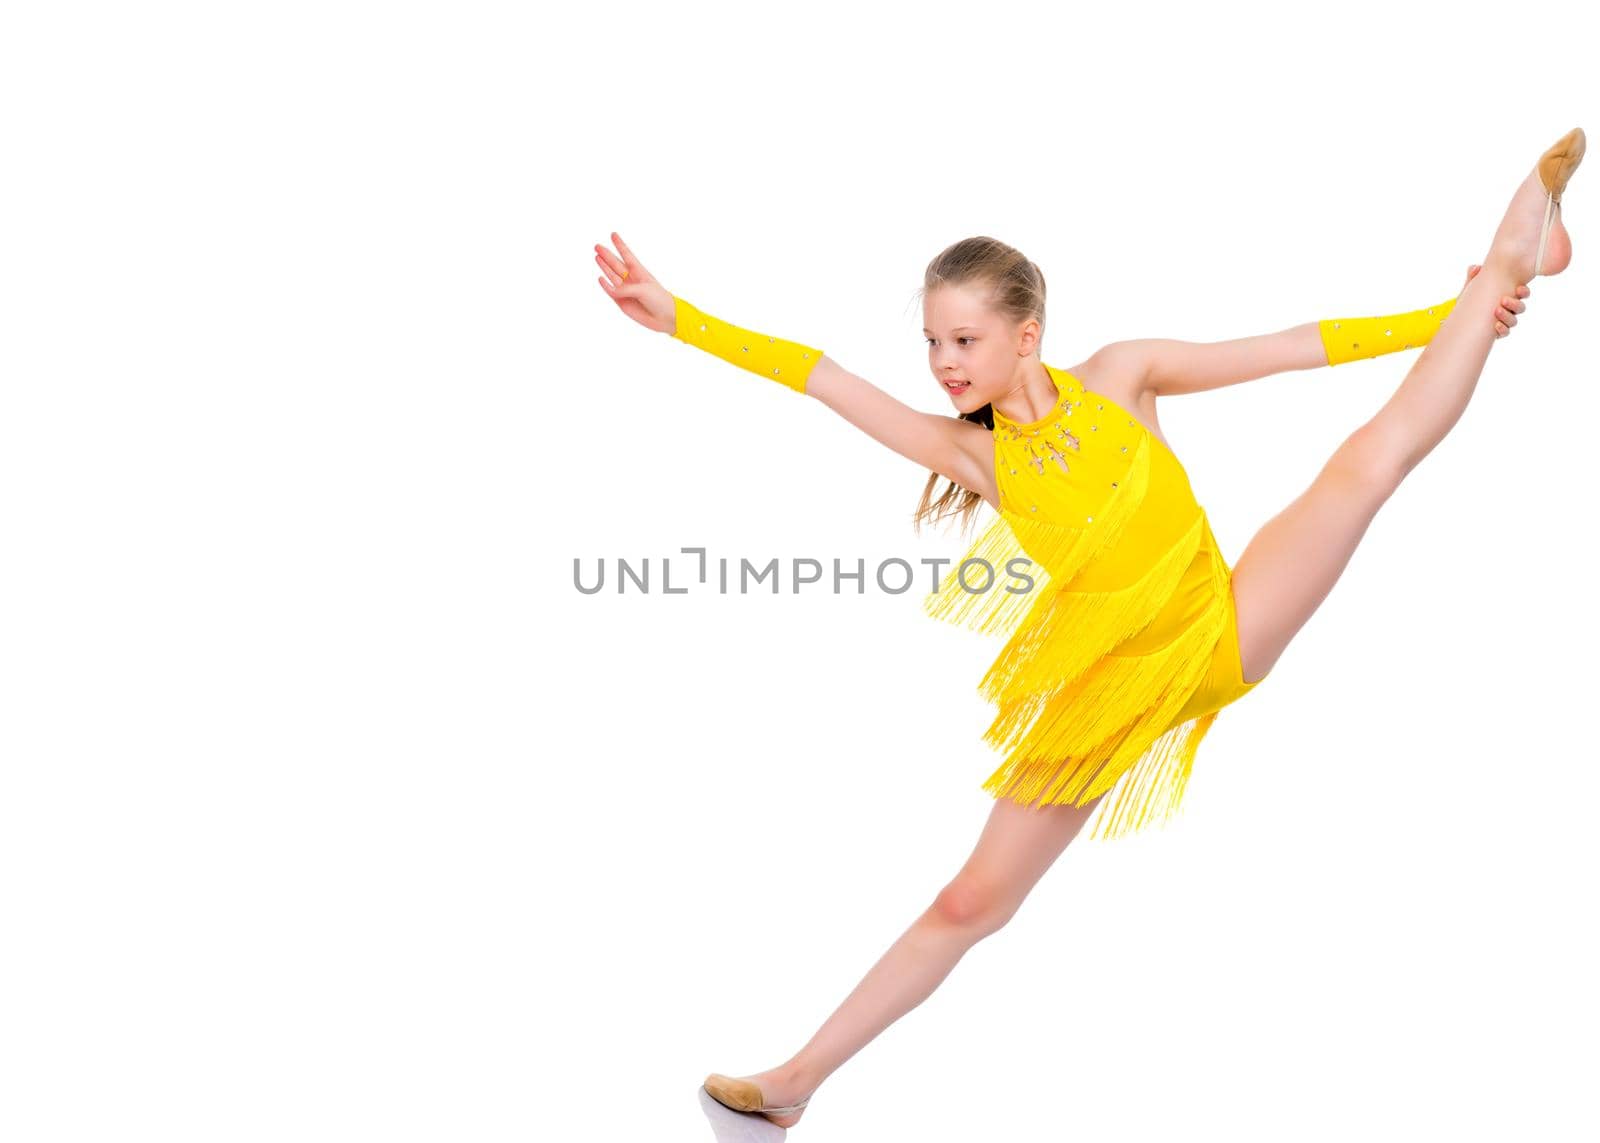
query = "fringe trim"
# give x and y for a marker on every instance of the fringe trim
(1072, 745)
(1057, 552)
(1151, 791)
(998, 609)
(1077, 627)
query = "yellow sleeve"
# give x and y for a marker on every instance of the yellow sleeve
(1352, 339)
(786, 362)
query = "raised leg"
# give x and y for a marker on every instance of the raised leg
(1017, 844)
(1291, 564)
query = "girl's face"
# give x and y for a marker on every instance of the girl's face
(976, 354)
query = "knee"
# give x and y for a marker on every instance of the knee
(1375, 459)
(972, 902)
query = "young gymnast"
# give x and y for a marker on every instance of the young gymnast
(1126, 631)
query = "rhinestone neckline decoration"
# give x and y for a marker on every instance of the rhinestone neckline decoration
(1048, 439)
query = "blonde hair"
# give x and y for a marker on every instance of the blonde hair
(1016, 291)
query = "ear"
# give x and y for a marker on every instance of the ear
(1028, 336)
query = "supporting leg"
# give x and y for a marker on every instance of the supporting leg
(1017, 845)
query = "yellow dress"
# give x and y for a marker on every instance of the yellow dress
(1122, 642)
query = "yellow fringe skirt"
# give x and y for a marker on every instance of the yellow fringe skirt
(1107, 691)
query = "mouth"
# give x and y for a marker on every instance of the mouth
(955, 388)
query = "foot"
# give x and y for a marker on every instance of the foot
(780, 1087)
(1517, 241)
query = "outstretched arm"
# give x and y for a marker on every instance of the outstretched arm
(927, 438)
(1167, 367)
(931, 440)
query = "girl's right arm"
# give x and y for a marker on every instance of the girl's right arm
(946, 445)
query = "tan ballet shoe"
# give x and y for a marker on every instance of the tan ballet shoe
(1555, 168)
(742, 1095)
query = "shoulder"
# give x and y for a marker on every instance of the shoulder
(1120, 370)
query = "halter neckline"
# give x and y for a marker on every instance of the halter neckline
(1062, 392)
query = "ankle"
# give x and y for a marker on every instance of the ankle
(1500, 274)
(800, 1074)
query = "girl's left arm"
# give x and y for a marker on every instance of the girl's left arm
(1168, 367)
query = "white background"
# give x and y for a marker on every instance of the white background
(330, 810)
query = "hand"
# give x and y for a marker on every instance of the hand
(635, 291)
(1506, 315)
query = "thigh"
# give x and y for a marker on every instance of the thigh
(1291, 564)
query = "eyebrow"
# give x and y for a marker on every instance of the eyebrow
(957, 329)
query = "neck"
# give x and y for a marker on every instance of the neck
(1033, 395)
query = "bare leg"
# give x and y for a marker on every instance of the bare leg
(1017, 845)
(1292, 563)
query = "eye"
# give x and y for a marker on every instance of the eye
(929, 340)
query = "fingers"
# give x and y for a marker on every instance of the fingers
(610, 263)
(1506, 315)
(635, 268)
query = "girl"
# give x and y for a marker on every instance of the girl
(1127, 631)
